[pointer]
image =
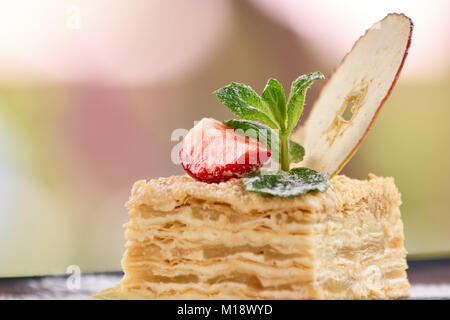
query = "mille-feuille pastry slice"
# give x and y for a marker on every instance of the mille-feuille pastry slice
(188, 240)
(235, 230)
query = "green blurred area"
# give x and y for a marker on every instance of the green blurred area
(49, 221)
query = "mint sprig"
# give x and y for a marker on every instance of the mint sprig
(271, 119)
(272, 111)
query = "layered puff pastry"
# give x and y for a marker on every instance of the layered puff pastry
(191, 240)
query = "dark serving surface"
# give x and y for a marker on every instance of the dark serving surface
(430, 279)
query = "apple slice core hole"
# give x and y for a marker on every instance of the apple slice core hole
(348, 112)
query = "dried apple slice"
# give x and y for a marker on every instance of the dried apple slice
(350, 101)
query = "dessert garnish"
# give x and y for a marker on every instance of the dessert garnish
(211, 154)
(340, 119)
(287, 183)
(350, 101)
(271, 119)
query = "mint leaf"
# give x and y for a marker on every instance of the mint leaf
(253, 129)
(273, 96)
(245, 103)
(269, 137)
(297, 97)
(286, 183)
(296, 152)
(259, 131)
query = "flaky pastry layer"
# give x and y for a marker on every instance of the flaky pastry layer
(191, 240)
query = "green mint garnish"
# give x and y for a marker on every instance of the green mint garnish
(266, 135)
(245, 103)
(272, 111)
(297, 97)
(286, 184)
(273, 97)
(296, 152)
(271, 119)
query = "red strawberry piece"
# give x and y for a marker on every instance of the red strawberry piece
(213, 152)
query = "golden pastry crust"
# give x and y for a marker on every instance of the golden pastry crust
(164, 194)
(191, 240)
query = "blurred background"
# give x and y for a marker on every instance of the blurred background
(91, 91)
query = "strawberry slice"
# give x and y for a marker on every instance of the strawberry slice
(213, 152)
